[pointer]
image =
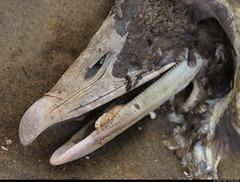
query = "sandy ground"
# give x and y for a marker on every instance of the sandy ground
(38, 41)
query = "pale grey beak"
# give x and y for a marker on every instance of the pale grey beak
(88, 83)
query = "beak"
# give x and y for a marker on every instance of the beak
(90, 83)
(129, 114)
(87, 84)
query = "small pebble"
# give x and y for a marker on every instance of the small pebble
(87, 157)
(4, 148)
(167, 144)
(8, 142)
(152, 115)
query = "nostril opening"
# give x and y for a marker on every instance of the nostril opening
(95, 68)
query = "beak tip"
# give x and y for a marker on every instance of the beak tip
(32, 122)
(58, 157)
(71, 151)
(27, 131)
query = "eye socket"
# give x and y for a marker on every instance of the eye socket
(95, 68)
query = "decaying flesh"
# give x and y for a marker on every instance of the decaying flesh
(183, 42)
(107, 117)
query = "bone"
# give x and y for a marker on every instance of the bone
(192, 99)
